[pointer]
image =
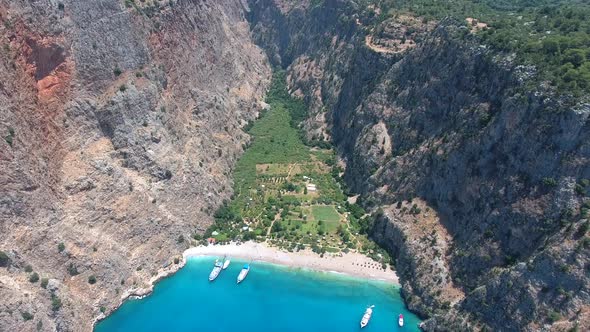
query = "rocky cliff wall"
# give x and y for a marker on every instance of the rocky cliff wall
(120, 125)
(476, 172)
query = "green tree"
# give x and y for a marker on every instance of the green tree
(72, 269)
(26, 315)
(55, 302)
(92, 279)
(34, 277)
(4, 260)
(574, 56)
(550, 46)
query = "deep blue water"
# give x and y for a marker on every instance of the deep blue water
(272, 298)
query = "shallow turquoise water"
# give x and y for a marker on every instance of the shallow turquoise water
(272, 298)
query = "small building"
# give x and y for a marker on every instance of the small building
(311, 187)
(211, 240)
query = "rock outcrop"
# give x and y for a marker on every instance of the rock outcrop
(477, 172)
(120, 124)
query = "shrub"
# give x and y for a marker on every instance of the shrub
(73, 270)
(44, 282)
(55, 302)
(180, 239)
(176, 260)
(549, 182)
(4, 260)
(580, 190)
(92, 280)
(415, 210)
(10, 137)
(26, 315)
(103, 309)
(61, 247)
(117, 71)
(34, 277)
(122, 88)
(584, 228)
(28, 268)
(554, 316)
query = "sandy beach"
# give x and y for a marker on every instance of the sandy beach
(353, 264)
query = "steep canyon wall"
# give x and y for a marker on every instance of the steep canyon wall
(120, 123)
(474, 169)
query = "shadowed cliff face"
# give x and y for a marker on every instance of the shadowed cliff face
(120, 127)
(478, 184)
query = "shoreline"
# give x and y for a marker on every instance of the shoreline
(138, 293)
(351, 264)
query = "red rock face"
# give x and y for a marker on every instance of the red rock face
(108, 117)
(47, 62)
(45, 56)
(52, 68)
(42, 72)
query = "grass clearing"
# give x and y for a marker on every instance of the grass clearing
(326, 213)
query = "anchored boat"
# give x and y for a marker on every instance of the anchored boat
(367, 316)
(216, 270)
(243, 273)
(400, 320)
(226, 263)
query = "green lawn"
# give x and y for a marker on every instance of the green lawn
(328, 214)
(325, 212)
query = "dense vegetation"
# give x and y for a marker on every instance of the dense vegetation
(290, 193)
(552, 35)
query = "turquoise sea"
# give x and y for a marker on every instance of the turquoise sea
(272, 298)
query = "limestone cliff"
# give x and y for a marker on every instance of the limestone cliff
(476, 172)
(120, 125)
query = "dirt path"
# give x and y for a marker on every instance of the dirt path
(291, 166)
(277, 216)
(376, 48)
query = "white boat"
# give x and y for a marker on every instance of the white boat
(216, 269)
(367, 316)
(400, 320)
(243, 273)
(226, 263)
